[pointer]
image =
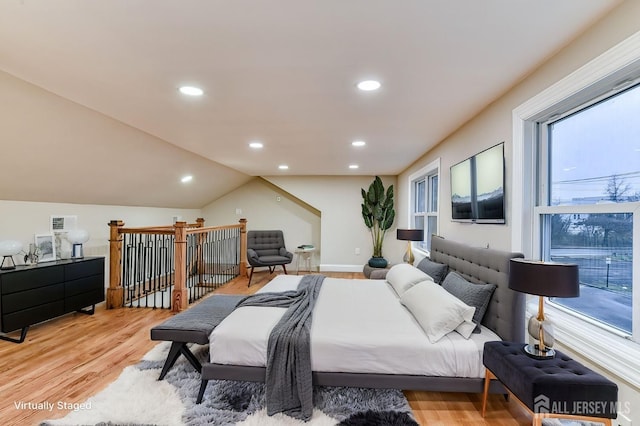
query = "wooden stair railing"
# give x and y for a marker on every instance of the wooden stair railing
(187, 262)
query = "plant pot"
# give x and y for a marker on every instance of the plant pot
(378, 262)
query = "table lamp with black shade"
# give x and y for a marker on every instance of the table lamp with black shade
(409, 235)
(549, 279)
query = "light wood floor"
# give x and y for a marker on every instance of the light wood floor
(68, 359)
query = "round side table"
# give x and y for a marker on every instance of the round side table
(304, 254)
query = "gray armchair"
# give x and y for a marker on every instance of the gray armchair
(266, 248)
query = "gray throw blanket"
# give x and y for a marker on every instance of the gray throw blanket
(289, 387)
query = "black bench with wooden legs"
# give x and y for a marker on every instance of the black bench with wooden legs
(559, 387)
(193, 326)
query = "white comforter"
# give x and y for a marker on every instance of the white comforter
(359, 326)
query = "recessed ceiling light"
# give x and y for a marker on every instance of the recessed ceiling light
(353, 166)
(191, 90)
(358, 143)
(283, 167)
(369, 85)
(186, 179)
(256, 145)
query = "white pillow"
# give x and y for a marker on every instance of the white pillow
(466, 328)
(437, 311)
(404, 276)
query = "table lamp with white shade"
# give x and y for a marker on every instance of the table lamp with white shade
(77, 237)
(8, 249)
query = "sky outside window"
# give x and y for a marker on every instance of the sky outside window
(595, 147)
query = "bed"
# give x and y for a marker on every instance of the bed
(360, 339)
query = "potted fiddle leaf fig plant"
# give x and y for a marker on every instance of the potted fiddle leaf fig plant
(378, 214)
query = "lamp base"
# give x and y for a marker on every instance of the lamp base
(534, 351)
(408, 256)
(9, 265)
(76, 252)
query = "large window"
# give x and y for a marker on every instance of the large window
(424, 203)
(588, 203)
(586, 121)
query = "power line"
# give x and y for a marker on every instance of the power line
(599, 178)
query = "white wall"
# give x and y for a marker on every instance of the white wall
(468, 141)
(21, 220)
(342, 229)
(320, 210)
(494, 125)
(323, 211)
(266, 206)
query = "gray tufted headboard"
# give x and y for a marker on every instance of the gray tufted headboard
(506, 312)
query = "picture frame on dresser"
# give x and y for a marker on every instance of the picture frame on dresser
(46, 246)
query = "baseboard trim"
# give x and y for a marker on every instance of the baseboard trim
(340, 268)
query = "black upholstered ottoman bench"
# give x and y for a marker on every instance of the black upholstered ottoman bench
(559, 387)
(193, 325)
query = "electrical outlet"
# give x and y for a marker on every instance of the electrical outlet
(278, 198)
(357, 250)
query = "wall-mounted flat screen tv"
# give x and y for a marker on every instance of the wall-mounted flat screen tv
(477, 187)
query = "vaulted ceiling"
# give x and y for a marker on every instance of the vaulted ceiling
(92, 113)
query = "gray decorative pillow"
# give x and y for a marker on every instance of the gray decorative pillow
(477, 295)
(435, 270)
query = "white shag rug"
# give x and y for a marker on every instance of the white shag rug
(137, 397)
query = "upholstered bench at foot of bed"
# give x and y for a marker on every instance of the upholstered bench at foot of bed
(193, 326)
(559, 387)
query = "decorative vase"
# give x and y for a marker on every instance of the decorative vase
(378, 262)
(31, 258)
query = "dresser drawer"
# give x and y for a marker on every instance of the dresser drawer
(26, 317)
(84, 285)
(30, 298)
(27, 279)
(85, 268)
(83, 300)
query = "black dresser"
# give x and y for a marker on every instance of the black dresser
(32, 294)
